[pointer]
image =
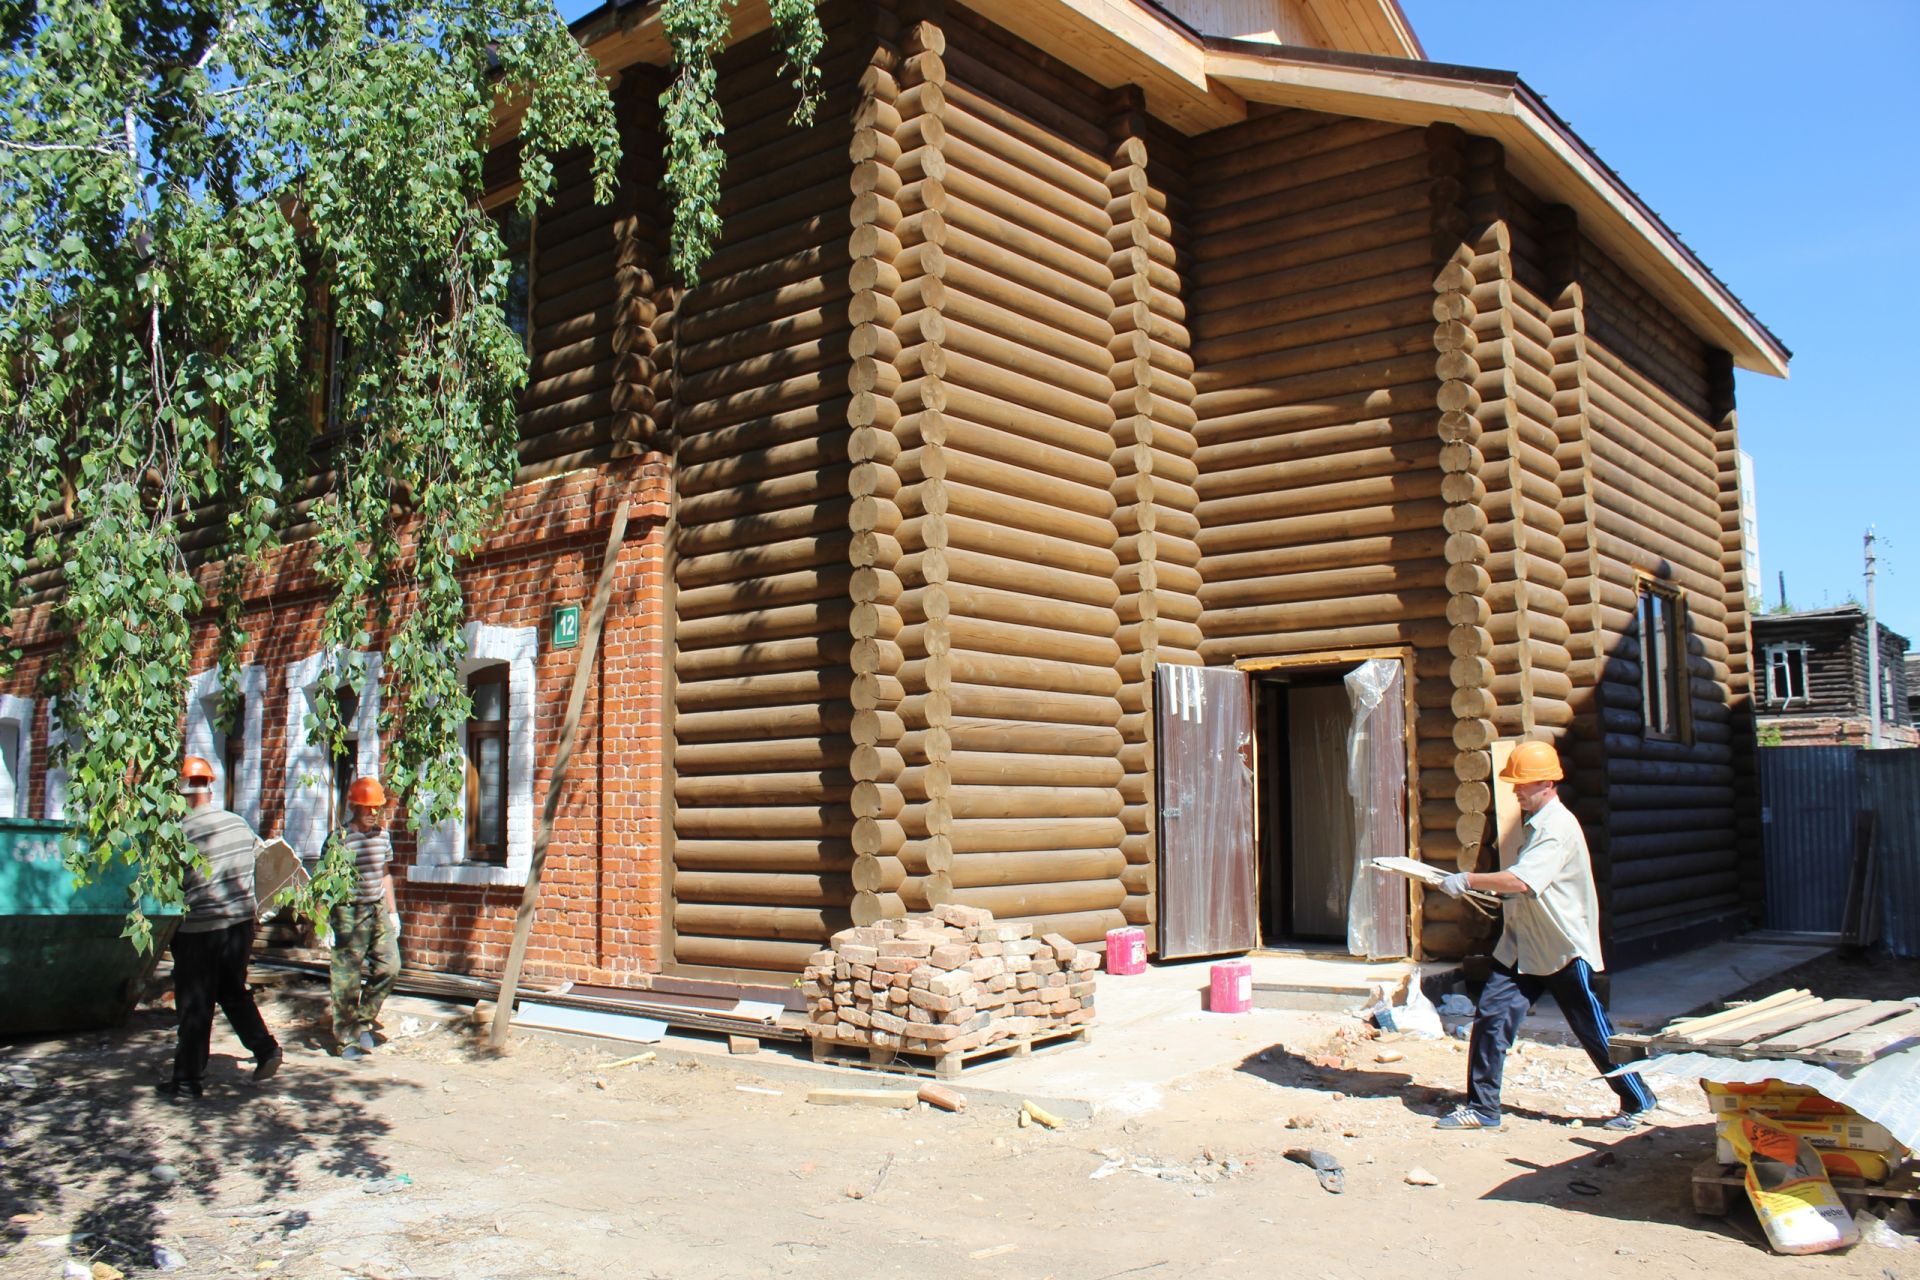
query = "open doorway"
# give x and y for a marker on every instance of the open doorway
(1331, 793)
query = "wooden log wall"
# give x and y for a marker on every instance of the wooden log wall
(1155, 472)
(768, 818)
(595, 287)
(1655, 480)
(1012, 656)
(1321, 484)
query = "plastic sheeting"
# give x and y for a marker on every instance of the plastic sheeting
(1376, 786)
(1885, 1091)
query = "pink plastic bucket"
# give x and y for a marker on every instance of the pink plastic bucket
(1232, 990)
(1126, 951)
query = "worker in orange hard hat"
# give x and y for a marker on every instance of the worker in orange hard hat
(366, 927)
(212, 945)
(1551, 944)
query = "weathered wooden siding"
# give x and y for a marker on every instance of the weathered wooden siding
(763, 819)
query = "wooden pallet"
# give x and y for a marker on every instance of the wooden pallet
(1794, 1025)
(1712, 1180)
(944, 1066)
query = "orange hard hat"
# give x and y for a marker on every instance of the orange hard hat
(195, 769)
(1533, 762)
(367, 792)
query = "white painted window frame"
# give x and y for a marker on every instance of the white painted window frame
(309, 772)
(202, 740)
(443, 846)
(53, 800)
(1785, 652)
(16, 759)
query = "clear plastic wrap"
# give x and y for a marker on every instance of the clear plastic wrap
(1376, 786)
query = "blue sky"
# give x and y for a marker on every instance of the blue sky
(1780, 141)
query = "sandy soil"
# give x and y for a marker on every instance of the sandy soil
(435, 1160)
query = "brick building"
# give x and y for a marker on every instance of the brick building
(1077, 347)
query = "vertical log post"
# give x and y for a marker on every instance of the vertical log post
(872, 449)
(915, 117)
(1724, 420)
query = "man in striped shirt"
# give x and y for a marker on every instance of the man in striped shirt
(214, 942)
(366, 927)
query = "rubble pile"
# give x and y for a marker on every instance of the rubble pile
(948, 982)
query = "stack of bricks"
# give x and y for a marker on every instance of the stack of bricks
(947, 982)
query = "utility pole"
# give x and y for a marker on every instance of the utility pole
(1873, 654)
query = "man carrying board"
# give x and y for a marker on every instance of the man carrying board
(1551, 944)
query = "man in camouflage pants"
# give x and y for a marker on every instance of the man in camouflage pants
(366, 927)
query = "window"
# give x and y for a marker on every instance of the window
(1786, 674)
(491, 841)
(1664, 685)
(487, 766)
(229, 741)
(317, 780)
(516, 233)
(16, 754)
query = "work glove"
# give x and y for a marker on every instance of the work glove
(393, 922)
(1455, 885)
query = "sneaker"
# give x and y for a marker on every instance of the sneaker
(366, 1041)
(265, 1067)
(1627, 1121)
(180, 1089)
(1465, 1117)
(352, 1053)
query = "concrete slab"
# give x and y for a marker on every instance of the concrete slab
(1649, 996)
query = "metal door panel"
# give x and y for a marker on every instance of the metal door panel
(1203, 720)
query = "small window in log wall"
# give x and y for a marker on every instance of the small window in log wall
(487, 766)
(516, 234)
(1786, 674)
(1663, 664)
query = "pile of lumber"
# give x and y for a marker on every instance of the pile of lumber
(1794, 1024)
(948, 982)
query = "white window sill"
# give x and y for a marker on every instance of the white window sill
(469, 873)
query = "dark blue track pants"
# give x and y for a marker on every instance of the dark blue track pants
(1504, 1005)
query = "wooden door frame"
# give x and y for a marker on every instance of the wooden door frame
(1327, 659)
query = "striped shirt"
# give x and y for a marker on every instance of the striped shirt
(222, 895)
(371, 851)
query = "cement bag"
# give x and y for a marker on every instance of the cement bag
(1796, 1204)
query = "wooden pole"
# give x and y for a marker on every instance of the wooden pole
(576, 699)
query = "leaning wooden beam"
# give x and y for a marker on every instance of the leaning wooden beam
(557, 782)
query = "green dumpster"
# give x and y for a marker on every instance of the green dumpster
(63, 964)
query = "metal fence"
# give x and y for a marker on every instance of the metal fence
(1811, 799)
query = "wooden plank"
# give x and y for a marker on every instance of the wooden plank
(1786, 1018)
(1683, 1027)
(1864, 1014)
(576, 701)
(1865, 1046)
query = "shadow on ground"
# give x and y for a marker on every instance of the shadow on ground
(1282, 1066)
(89, 1143)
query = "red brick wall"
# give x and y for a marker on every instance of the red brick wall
(601, 897)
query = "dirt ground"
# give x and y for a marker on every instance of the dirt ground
(435, 1160)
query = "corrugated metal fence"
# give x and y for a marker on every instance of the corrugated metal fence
(1891, 791)
(1810, 800)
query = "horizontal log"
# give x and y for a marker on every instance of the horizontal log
(1022, 901)
(754, 954)
(787, 924)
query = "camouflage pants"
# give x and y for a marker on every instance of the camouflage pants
(366, 961)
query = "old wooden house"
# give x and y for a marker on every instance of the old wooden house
(1813, 680)
(1126, 463)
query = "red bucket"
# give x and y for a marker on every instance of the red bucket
(1232, 990)
(1126, 951)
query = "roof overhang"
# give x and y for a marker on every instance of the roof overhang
(1542, 151)
(1198, 84)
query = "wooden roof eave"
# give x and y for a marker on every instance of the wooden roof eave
(1541, 151)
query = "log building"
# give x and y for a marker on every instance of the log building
(1067, 428)
(1812, 680)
